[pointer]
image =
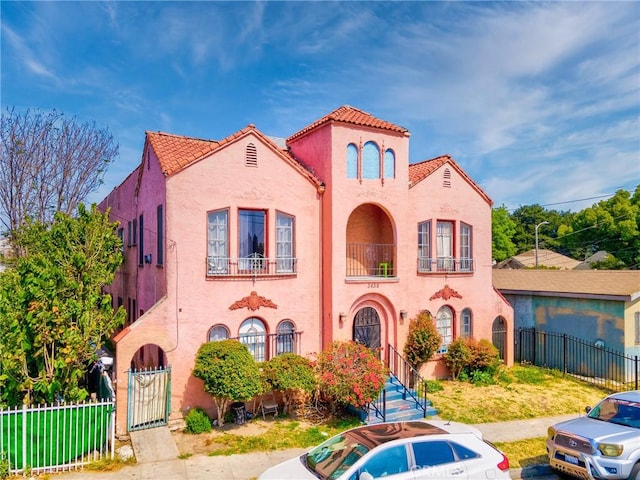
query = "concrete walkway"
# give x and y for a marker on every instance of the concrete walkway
(249, 466)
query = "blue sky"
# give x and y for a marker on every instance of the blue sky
(538, 101)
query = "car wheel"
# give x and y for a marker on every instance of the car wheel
(635, 472)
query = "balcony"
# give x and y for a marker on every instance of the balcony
(253, 266)
(370, 260)
(445, 264)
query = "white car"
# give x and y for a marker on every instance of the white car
(416, 450)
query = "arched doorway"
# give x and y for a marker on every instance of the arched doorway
(366, 328)
(499, 336)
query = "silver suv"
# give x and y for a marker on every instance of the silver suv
(604, 444)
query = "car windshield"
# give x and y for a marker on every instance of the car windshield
(333, 457)
(615, 410)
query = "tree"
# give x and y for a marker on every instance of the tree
(48, 163)
(53, 313)
(229, 372)
(350, 373)
(502, 230)
(422, 341)
(290, 374)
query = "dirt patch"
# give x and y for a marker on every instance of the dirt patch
(205, 443)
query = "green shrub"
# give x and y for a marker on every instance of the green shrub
(486, 357)
(423, 340)
(290, 374)
(459, 356)
(197, 421)
(4, 466)
(433, 386)
(482, 377)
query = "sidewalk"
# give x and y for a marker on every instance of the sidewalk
(249, 466)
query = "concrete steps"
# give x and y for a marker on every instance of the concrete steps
(399, 409)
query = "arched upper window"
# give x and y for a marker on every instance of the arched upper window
(370, 160)
(389, 164)
(218, 332)
(253, 335)
(444, 325)
(352, 161)
(466, 324)
(285, 333)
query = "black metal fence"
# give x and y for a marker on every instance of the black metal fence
(574, 356)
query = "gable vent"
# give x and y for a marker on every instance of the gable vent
(446, 178)
(251, 158)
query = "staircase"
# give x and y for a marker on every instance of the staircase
(397, 405)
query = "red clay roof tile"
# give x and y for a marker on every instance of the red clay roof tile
(421, 170)
(353, 116)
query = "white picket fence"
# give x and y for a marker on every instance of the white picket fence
(46, 439)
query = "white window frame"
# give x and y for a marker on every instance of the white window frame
(466, 247)
(218, 241)
(444, 325)
(444, 246)
(424, 246)
(284, 243)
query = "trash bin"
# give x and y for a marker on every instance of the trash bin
(240, 412)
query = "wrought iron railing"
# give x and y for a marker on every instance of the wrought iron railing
(265, 346)
(412, 382)
(251, 266)
(445, 264)
(573, 356)
(370, 260)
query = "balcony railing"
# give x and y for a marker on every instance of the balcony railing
(252, 266)
(370, 260)
(445, 264)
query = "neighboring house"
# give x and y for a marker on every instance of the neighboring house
(598, 306)
(599, 256)
(546, 259)
(290, 244)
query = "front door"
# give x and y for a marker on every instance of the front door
(366, 328)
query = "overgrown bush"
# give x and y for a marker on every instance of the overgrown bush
(458, 357)
(423, 340)
(350, 373)
(4, 465)
(290, 374)
(197, 421)
(473, 360)
(229, 373)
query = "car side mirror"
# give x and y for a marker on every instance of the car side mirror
(587, 409)
(365, 476)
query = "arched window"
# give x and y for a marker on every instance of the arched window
(252, 334)
(285, 339)
(444, 325)
(218, 332)
(370, 160)
(352, 161)
(389, 164)
(466, 325)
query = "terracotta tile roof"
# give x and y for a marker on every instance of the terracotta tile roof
(176, 152)
(624, 284)
(421, 170)
(353, 116)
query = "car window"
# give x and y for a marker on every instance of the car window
(435, 452)
(333, 457)
(621, 412)
(388, 461)
(463, 453)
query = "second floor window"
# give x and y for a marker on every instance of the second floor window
(370, 160)
(217, 241)
(284, 242)
(251, 239)
(352, 161)
(444, 246)
(424, 246)
(466, 257)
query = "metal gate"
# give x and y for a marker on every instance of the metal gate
(366, 328)
(499, 335)
(148, 398)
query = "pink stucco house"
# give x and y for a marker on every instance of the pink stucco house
(289, 244)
